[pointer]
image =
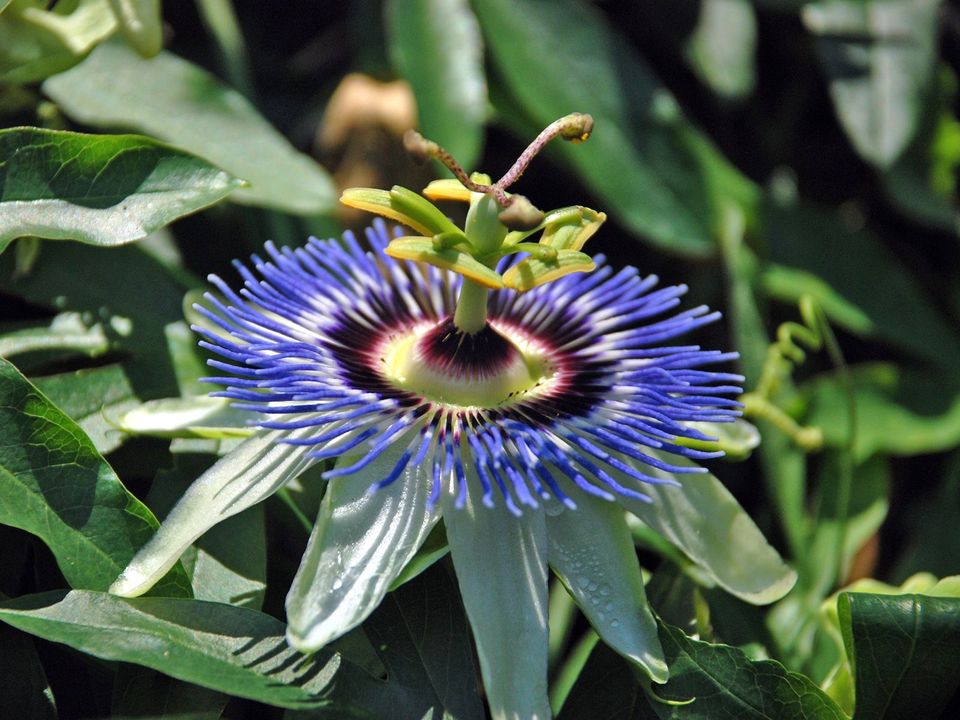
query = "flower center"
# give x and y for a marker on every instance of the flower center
(485, 369)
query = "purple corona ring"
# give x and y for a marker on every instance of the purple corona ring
(529, 396)
(319, 340)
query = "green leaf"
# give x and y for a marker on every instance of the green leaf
(93, 399)
(656, 173)
(905, 652)
(880, 57)
(100, 189)
(234, 650)
(789, 284)
(723, 682)
(55, 485)
(174, 100)
(855, 264)
(24, 689)
(722, 47)
(436, 46)
(36, 43)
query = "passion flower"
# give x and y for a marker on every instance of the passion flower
(471, 375)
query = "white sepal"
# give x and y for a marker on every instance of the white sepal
(704, 520)
(592, 552)
(501, 564)
(256, 469)
(359, 544)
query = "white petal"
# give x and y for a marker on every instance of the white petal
(501, 563)
(704, 520)
(359, 544)
(256, 469)
(592, 552)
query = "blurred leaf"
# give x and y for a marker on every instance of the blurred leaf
(141, 23)
(790, 284)
(607, 689)
(784, 465)
(795, 621)
(67, 331)
(93, 399)
(234, 650)
(177, 101)
(861, 271)
(900, 411)
(36, 43)
(722, 47)
(436, 46)
(905, 653)
(24, 689)
(54, 484)
(658, 175)
(923, 182)
(100, 189)
(879, 56)
(723, 682)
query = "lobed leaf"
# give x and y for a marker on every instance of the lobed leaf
(234, 650)
(55, 485)
(99, 189)
(905, 652)
(721, 681)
